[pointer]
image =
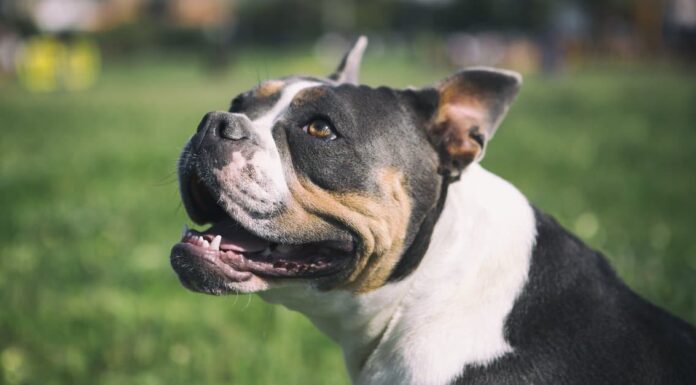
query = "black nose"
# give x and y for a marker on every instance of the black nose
(225, 125)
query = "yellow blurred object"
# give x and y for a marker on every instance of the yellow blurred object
(82, 64)
(37, 64)
(47, 64)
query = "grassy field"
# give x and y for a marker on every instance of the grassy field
(90, 209)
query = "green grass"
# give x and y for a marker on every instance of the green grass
(90, 209)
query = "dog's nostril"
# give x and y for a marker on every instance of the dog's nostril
(233, 130)
(223, 124)
(220, 127)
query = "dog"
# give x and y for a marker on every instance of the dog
(367, 210)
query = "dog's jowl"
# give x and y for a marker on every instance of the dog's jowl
(366, 209)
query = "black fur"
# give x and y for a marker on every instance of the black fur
(253, 106)
(386, 134)
(577, 323)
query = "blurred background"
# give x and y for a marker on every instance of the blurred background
(97, 97)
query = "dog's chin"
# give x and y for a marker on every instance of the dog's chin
(229, 258)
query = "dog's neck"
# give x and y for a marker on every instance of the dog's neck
(450, 311)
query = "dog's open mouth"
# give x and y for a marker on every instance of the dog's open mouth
(228, 245)
(230, 251)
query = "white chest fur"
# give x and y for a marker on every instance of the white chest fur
(451, 311)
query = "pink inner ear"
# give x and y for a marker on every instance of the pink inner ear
(454, 127)
(461, 115)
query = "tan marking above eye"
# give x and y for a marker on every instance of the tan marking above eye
(309, 94)
(269, 88)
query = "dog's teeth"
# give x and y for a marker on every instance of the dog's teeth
(205, 244)
(215, 244)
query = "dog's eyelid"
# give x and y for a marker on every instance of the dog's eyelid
(316, 117)
(319, 116)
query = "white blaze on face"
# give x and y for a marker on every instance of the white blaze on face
(267, 160)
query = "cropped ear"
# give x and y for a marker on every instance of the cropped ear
(348, 70)
(471, 105)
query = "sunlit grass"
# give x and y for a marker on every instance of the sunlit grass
(90, 209)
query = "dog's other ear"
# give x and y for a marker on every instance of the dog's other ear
(471, 105)
(349, 69)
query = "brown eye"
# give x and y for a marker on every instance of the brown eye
(320, 129)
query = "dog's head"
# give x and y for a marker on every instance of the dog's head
(324, 182)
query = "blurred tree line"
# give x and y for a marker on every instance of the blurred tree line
(273, 21)
(293, 21)
(557, 28)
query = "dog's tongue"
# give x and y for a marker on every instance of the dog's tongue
(235, 238)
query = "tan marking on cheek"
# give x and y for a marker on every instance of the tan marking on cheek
(379, 222)
(269, 88)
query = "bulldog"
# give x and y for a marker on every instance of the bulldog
(367, 210)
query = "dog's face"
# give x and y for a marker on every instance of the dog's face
(322, 182)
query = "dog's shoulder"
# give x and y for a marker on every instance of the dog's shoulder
(575, 322)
